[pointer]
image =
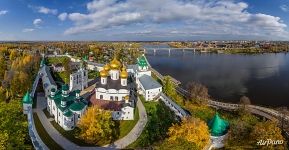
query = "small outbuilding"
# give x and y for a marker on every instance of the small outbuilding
(218, 129)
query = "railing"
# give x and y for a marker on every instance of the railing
(173, 106)
(234, 106)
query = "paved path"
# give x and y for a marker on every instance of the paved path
(135, 132)
(66, 144)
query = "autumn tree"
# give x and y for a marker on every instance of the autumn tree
(96, 125)
(168, 86)
(179, 144)
(2, 94)
(239, 132)
(198, 93)
(13, 54)
(268, 130)
(3, 66)
(192, 130)
(14, 131)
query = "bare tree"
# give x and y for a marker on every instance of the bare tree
(284, 112)
(244, 101)
(197, 92)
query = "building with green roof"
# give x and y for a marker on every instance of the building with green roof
(27, 102)
(142, 63)
(218, 129)
(218, 126)
(66, 106)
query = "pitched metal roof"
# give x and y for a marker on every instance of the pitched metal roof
(148, 82)
(27, 99)
(218, 126)
(49, 76)
(72, 102)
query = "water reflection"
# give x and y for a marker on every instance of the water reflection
(264, 78)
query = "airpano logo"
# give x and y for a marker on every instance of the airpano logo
(270, 142)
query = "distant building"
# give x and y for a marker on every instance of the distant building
(58, 67)
(66, 106)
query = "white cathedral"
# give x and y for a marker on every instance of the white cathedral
(113, 91)
(115, 87)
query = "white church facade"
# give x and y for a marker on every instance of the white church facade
(113, 91)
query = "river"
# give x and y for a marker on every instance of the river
(264, 78)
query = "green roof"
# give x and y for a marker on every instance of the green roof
(67, 113)
(85, 58)
(65, 87)
(142, 62)
(42, 63)
(72, 103)
(76, 106)
(218, 126)
(27, 99)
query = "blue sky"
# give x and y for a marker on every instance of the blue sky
(144, 20)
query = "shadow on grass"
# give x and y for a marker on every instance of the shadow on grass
(48, 141)
(71, 135)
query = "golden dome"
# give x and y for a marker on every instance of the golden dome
(115, 64)
(123, 73)
(106, 67)
(103, 73)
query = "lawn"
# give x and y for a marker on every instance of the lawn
(61, 77)
(49, 142)
(70, 135)
(55, 60)
(125, 126)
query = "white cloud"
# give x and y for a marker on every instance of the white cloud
(37, 22)
(284, 8)
(28, 30)
(45, 10)
(62, 16)
(3, 12)
(227, 16)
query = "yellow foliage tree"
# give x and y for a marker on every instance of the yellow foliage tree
(268, 131)
(13, 54)
(192, 130)
(96, 125)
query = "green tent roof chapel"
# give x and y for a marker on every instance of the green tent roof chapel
(27, 99)
(218, 126)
